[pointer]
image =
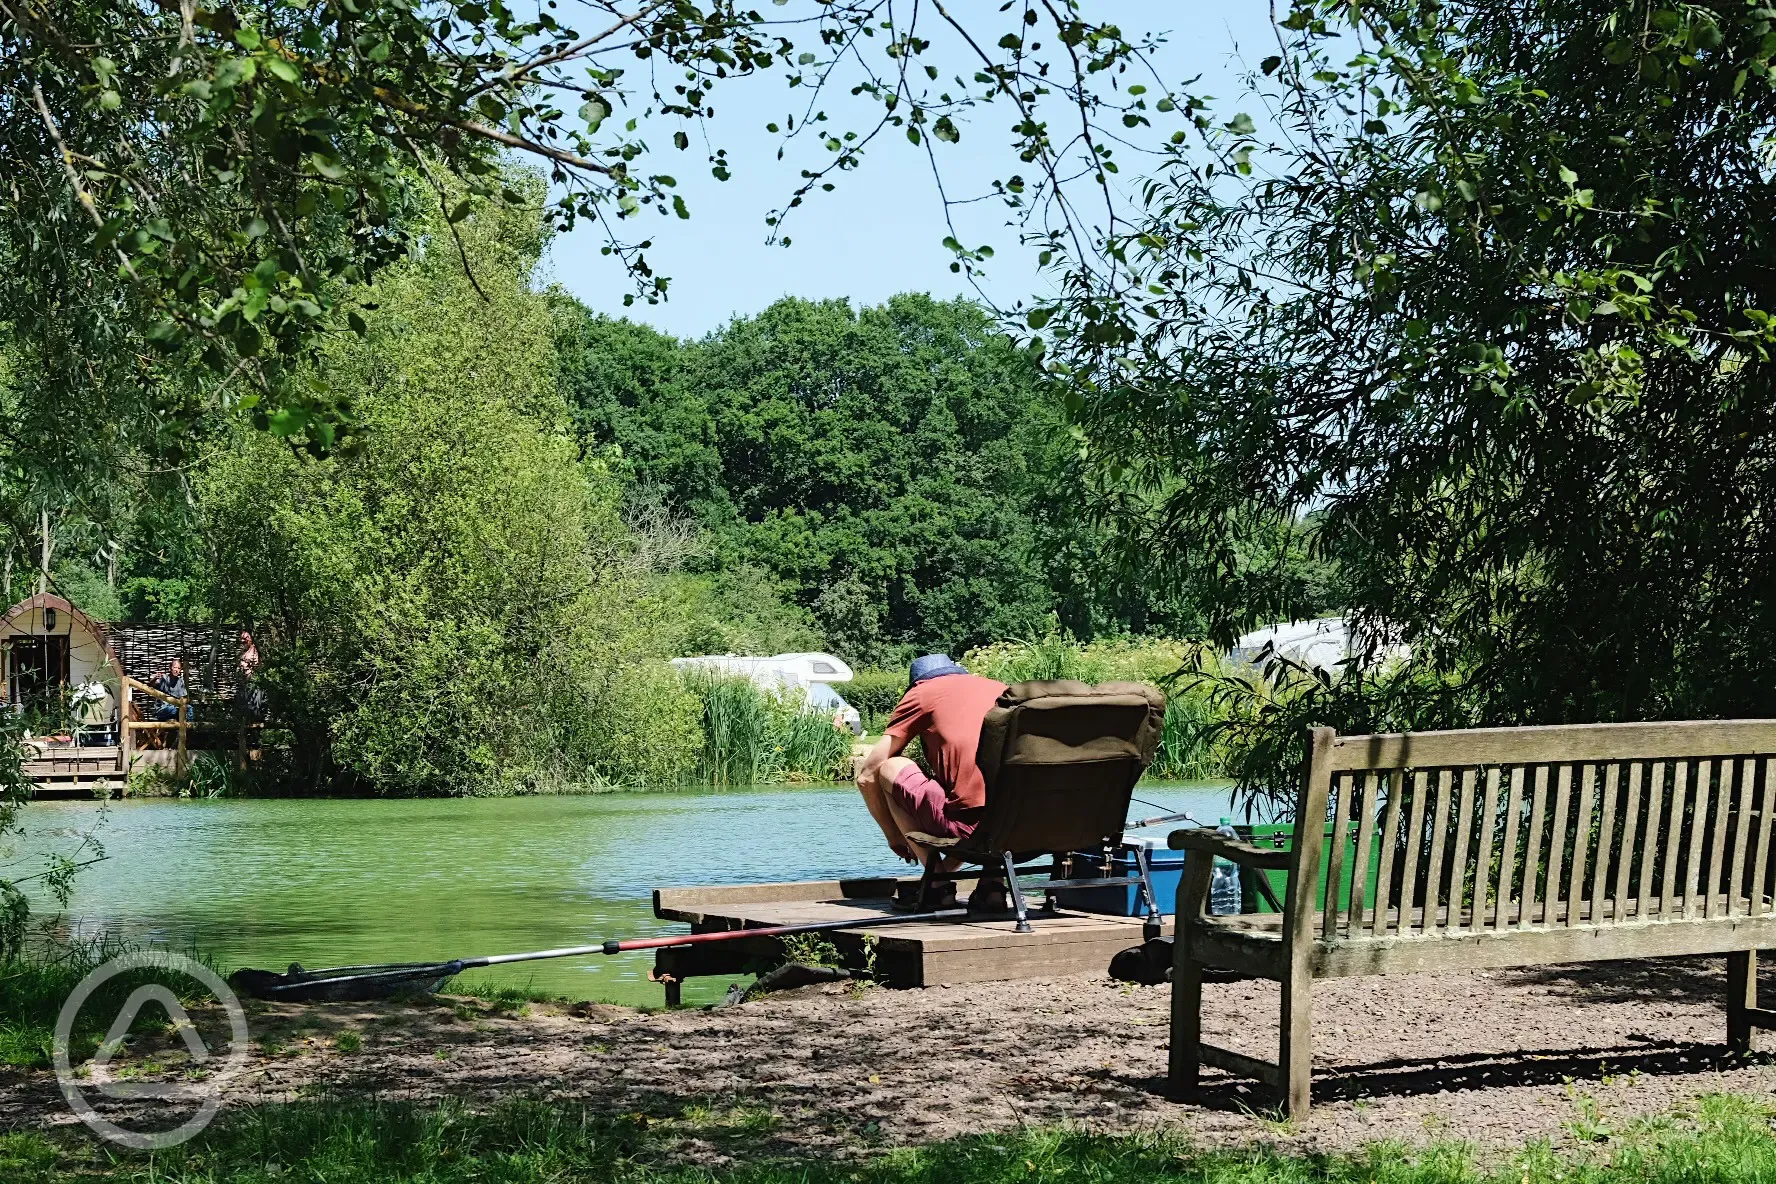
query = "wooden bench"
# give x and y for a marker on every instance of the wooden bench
(1490, 848)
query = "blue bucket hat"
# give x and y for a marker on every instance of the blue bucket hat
(931, 666)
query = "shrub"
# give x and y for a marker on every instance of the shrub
(643, 731)
(874, 692)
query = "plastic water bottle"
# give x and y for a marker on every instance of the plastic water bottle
(1224, 880)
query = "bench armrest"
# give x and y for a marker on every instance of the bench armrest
(1208, 842)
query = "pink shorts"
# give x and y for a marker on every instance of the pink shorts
(924, 803)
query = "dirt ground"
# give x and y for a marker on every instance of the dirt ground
(1493, 1058)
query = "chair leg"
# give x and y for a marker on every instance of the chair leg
(1017, 894)
(1150, 925)
(927, 885)
(1184, 1064)
(1741, 999)
(1295, 1052)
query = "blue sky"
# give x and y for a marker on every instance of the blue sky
(882, 230)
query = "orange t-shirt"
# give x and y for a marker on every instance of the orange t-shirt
(946, 713)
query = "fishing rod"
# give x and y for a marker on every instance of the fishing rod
(369, 982)
(1162, 818)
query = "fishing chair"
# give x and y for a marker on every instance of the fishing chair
(1060, 760)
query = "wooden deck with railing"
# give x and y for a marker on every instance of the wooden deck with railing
(77, 770)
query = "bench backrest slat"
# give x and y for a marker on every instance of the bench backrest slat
(1606, 839)
(1530, 895)
(1501, 829)
(1508, 854)
(1625, 843)
(1576, 883)
(1484, 886)
(1341, 814)
(1766, 785)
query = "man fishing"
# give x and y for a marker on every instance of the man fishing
(944, 706)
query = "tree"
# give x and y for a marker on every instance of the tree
(448, 607)
(1493, 301)
(211, 178)
(880, 462)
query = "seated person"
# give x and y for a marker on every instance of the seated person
(944, 707)
(171, 683)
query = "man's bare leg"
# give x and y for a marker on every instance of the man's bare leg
(873, 785)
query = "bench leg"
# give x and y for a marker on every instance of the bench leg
(1295, 1051)
(1741, 1000)
(1185, 1062)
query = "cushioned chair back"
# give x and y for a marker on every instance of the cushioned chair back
(1060, 760)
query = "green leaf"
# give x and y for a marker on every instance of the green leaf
(327, 166)
(1038, 317)
(282, 68)
(357, 323)
(595, 110)
(460, 211)
(1569, 177)
(1241, 125)
(1269, 65)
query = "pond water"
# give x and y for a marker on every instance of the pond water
(330, 882)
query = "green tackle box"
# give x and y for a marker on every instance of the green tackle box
(1280, 835)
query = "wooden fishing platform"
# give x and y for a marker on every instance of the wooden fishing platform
(907, 955)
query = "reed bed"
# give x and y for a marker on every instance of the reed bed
(752, 735)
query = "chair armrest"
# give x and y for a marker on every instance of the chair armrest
(1208, 842)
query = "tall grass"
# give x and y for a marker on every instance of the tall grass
(812, 747)
(737, 730)
(536, 1142)
(751, 735)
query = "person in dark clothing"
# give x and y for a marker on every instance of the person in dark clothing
(171, 683)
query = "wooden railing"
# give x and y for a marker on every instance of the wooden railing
(181, 721)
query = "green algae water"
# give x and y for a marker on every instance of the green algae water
(334, 882)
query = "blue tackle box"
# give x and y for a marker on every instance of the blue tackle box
(1166, 867)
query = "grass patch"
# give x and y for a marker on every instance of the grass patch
(1726, 1140)
(36, 982)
